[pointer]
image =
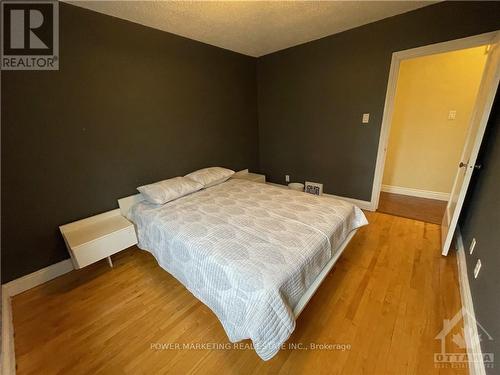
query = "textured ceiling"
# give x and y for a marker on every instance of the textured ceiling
(254, 28)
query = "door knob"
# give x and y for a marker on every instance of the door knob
(462, 165)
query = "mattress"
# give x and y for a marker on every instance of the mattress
(248, 250)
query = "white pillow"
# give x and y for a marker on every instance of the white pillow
(210, 176)
(168, 190)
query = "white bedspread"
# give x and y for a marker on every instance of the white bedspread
(248, 251)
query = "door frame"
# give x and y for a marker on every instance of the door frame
(397, 57)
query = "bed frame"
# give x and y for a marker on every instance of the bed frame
(127, 202)
(322, 275)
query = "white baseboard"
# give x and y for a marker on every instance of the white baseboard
(416, 192)
(39, 277)
(8, 366)
(469, 318)
(365, 205)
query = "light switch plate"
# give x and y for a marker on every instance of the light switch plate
(287, 178)
(477, 268)
(366, 118)
(472, 246)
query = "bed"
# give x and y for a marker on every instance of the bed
(252, 252)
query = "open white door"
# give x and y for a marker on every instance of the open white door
(479, 119)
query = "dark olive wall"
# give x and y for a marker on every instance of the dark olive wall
(480, 220)
(312, 97)
(130, 105)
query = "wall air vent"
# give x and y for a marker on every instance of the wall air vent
(314, 188)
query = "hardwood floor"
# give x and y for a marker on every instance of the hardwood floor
(386, 298)
(423, 209)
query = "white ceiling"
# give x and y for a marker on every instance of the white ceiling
(254, 28)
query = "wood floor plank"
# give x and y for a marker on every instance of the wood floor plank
(385, 301)
(423, 209)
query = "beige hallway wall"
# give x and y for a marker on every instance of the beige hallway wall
(424, 145)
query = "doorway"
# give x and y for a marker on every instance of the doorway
(435, 97)
(477, 124)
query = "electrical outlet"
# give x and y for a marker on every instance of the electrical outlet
(477, 268)
(472, 246)
(287, 178)
(366, 118)
(452, 115)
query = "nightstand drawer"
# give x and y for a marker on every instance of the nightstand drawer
(100, 248)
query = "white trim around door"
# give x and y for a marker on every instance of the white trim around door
(13, 288)
(397, 57)
(8, 365)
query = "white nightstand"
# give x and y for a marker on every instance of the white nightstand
(255, 177)
(98, 237)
